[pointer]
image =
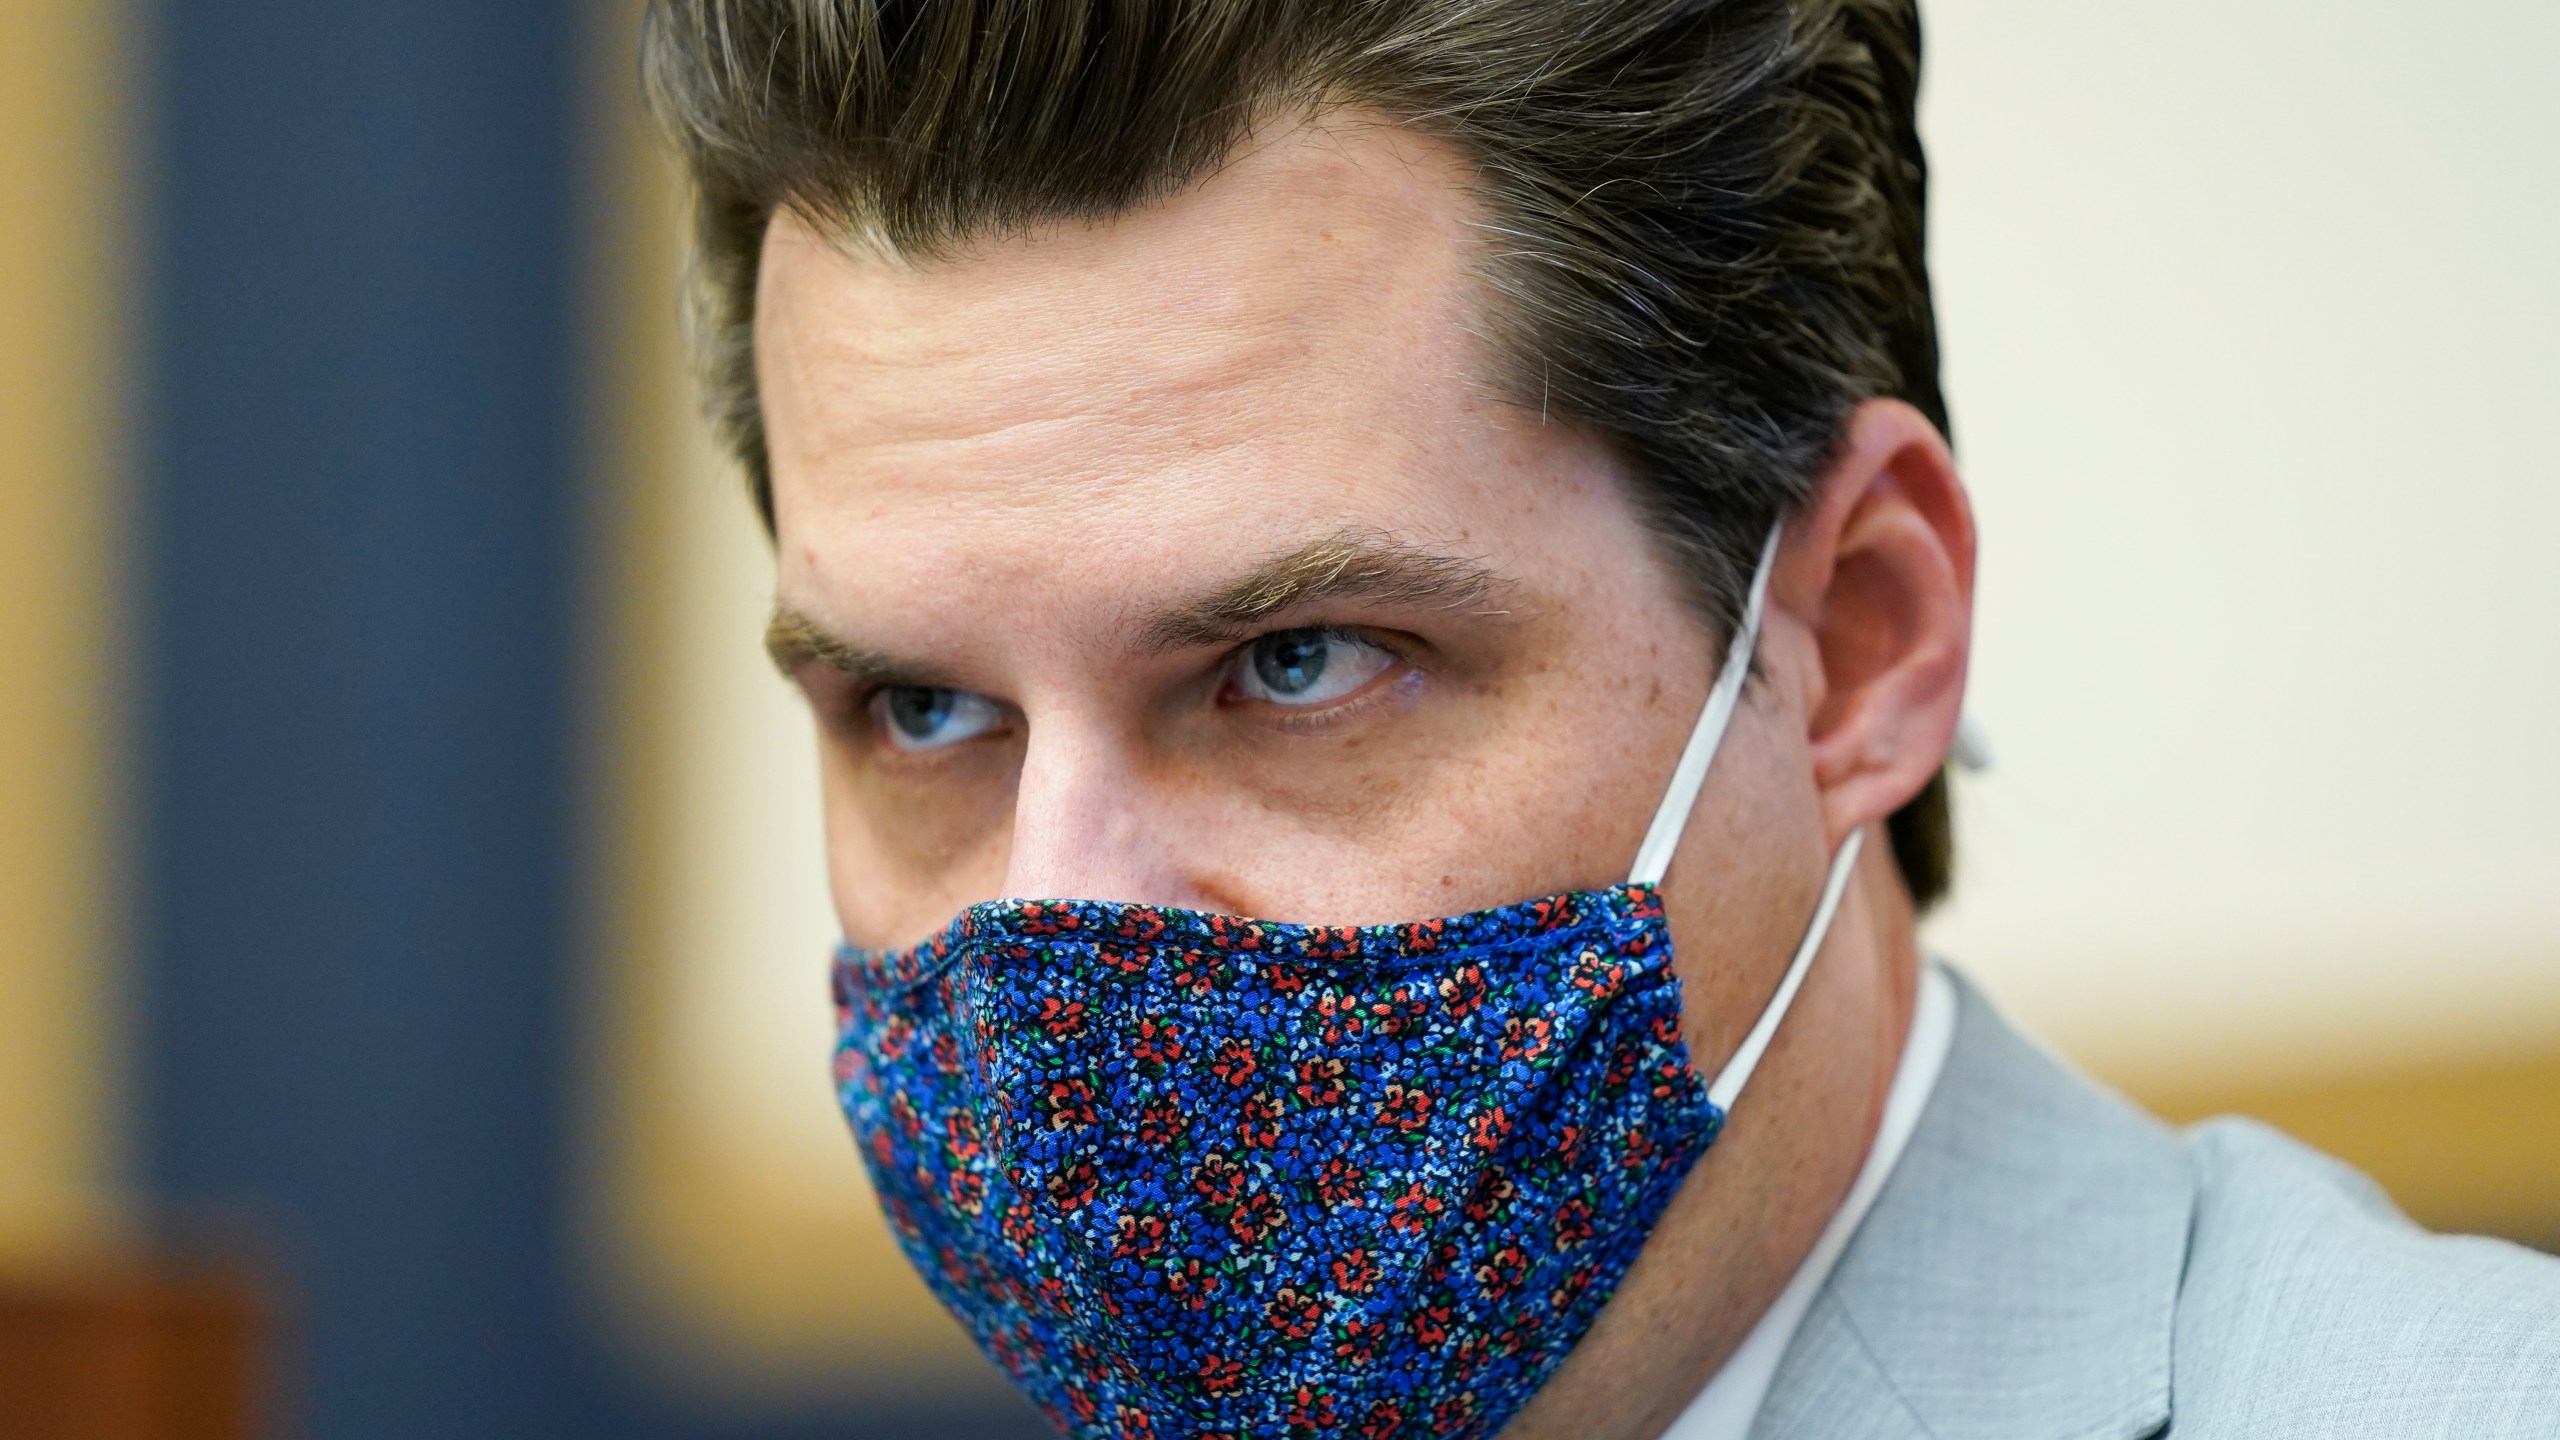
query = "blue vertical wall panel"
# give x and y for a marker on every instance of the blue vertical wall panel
(357, 607)
(357, 602)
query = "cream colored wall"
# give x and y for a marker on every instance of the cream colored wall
(2250, 325)
(61, 272)
(2253, 336)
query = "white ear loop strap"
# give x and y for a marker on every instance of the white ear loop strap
(1727, 1086)
(1653, 857)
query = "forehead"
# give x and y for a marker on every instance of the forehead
(1284, 348)
(1336, 245)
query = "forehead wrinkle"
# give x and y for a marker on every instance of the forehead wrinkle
(1071, 393)
(1370, 566)
(1139, 309)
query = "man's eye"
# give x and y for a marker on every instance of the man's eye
(1306, 667)
(916, 718)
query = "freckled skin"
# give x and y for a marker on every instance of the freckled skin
(1000, 465)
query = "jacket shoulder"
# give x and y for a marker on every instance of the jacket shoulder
(2310, 1306)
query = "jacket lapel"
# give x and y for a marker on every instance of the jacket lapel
(2017, 1278)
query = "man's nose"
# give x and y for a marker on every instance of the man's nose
(1087, 824)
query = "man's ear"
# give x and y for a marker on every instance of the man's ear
(1877, 570)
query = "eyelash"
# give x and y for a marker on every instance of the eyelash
(855, 716)
(847, 709)
(1316, 719)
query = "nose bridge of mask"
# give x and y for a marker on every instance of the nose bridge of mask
(1671, 818)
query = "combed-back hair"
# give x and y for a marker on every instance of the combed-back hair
(1703, 218)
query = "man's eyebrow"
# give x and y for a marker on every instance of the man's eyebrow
(1367, 566)
(793, 640)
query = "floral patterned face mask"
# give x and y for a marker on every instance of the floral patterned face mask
(1190, 1176)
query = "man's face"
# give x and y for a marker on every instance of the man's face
(1193, 559)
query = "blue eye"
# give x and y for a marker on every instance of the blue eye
(1307, 667)
(916, 717)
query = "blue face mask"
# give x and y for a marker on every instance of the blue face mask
(1190, 1176)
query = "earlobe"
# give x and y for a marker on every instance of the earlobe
(1884, 584)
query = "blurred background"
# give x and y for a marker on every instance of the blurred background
(412, 938)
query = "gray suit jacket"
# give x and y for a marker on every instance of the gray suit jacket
(2048, 1263)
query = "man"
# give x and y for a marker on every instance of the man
(1340, 464)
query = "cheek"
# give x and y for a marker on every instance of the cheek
(899, 871)
(1606, 735)
(1744, 882)
(1543, 782)
(1576, 780)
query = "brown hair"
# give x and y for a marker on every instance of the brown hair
(1705, 217)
